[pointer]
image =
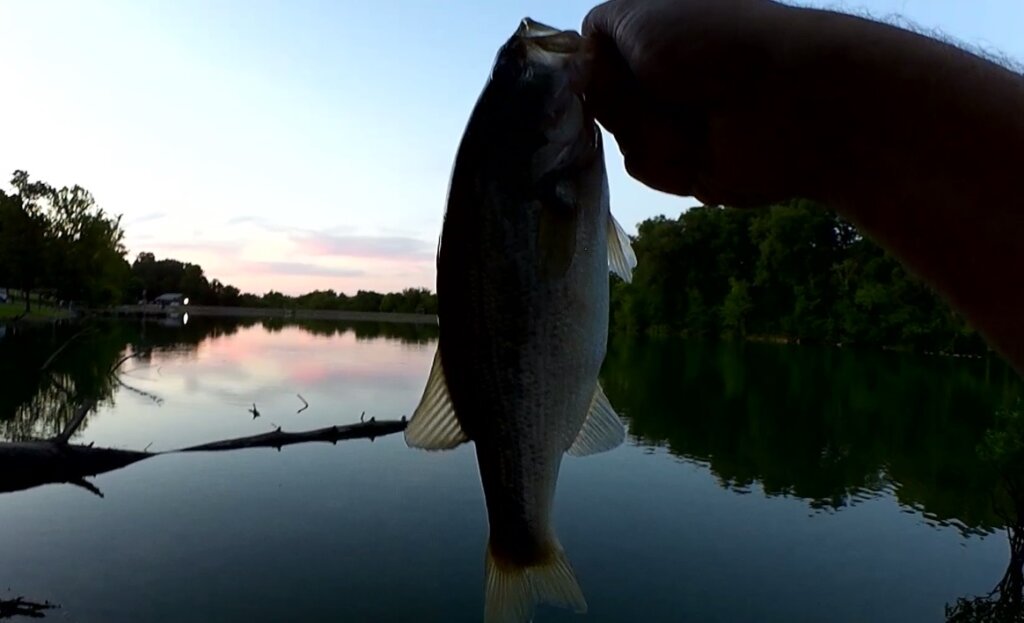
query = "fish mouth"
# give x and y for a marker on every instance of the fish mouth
(529, 28)
(549, 39)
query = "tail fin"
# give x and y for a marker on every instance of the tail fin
(512, 591)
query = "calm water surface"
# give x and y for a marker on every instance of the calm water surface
(759, 483)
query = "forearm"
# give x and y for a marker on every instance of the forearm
(926, 155)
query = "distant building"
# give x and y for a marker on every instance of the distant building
(171, 299)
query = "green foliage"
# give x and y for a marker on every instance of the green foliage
(794, 271)
(736, 307)
(61, 241)
(1003, 445)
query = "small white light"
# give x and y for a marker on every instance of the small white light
(185, 302)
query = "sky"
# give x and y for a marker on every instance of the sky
(298, 144)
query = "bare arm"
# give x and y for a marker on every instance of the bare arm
(746, 102)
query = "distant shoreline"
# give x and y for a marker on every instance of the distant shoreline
(261, 312)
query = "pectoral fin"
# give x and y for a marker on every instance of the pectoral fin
(621, 259)
(433, 425)
(602, 430)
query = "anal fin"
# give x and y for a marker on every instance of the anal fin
(602, 430)
(433, 425)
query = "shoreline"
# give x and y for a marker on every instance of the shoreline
(261, 312)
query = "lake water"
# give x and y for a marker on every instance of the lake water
(758, 483)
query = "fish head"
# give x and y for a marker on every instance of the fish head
(537, 81)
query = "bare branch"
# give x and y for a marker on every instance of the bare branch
(157, 399)
(333, 434)
(69, 430)
(56, 353)
(88, 486)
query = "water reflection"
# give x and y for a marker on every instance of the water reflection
(828, 429)
(49, 371)
(836, 427)
(830, 426)
(52, 401)
(1002, 449)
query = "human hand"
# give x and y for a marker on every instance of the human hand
(711, 98)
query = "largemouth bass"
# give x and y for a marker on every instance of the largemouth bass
(523, 296)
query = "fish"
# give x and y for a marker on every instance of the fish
(523, 261)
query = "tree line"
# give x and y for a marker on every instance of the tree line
(151, 277)
(794, 272)
(60, 245)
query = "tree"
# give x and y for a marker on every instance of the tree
(23, 243)
(736, 307)
(794, 271)
(60, 239)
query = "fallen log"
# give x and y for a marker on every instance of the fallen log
(21, 607)
(370, 429)
(30, 464)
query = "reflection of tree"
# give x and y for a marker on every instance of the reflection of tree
(412, 332)
(47, 370)
(60, 374)
(831, 426)
(50, 372)
(1003, 450)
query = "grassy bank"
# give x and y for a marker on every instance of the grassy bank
(12, 310)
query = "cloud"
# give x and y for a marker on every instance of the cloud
(243, 220)
(384, 247)
(255, 254)
(301, 269)
(338, 241)
(174, 248)
(145, 218)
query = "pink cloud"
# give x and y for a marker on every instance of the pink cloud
(389, 247)
(295, 261)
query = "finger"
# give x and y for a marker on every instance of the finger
(600, 20)
(663, 152)
(612, 92)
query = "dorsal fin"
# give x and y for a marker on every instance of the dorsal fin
(433, 425)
